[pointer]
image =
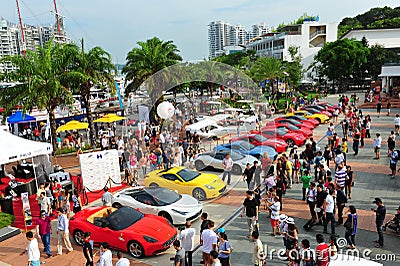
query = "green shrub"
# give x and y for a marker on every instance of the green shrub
(6, 219)
(72, 149)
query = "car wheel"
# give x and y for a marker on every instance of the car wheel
(135, 249)
(166, 216)
(199, 194)
(117, 205)
(199, 165)
(290, 142)
(78, 237)
(153, 185)
(236, 169)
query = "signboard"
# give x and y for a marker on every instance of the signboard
(98, 167)
(143, 113)
(26, 209)
(61, 177)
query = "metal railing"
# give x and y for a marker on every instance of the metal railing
(318, 32)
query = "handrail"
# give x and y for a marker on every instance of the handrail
(317, 33)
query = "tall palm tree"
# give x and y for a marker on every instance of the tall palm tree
(267, 68)
(150, 57)
(88, 69)
(38, 82)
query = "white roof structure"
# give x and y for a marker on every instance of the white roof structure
(14, 148)
(390, 71)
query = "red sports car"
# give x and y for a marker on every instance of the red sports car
(124, 229)
(302, 119)
(290, 138)
(280, 122)
(259, 140)
(290, 128)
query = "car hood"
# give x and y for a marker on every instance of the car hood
(261, 149)
(188, 203)
(153, 226)
(204, 179)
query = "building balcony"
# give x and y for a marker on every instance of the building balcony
(317, 33)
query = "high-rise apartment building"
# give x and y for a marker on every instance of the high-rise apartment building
(11, 40)
(221, 35)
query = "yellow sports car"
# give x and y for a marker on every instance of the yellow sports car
(186, 181)
(320, 117)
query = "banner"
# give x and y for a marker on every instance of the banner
(26, 208)
(121, 105)
(98, 167)
(144, 113)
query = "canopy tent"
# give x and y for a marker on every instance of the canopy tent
(19, 117)
(14, 148)
(109, 118)
(72, 125)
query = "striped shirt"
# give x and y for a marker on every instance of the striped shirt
(340, 177)
(322, 254)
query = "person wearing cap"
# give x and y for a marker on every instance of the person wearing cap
(291, 235)
(43, 230)
(87, 249)
(380, 212)
(282, 227)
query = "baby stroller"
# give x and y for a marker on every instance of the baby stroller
(394, 223)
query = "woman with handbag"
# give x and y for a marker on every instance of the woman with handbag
(224, 249)
(351, 227)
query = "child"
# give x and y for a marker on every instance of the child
(332, 246)
(215, 260)
(294, 258)
(307, 255)
(306, 178)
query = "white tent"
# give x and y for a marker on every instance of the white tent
(14, 148)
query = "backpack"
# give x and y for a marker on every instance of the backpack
(396, 157)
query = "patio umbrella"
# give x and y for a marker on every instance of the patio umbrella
(72, 125)
(109, 118)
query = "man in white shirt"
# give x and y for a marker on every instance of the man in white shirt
(105, 255)
(186, 237)
(377, 146)
(329, 212)
(209, 243)
(32, 249)
(397, 124)
(104, 143)
(227, 163)
(121, 260)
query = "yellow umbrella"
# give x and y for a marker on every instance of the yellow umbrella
(109, 118)
(72, 125)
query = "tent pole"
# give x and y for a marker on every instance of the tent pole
(34, 173)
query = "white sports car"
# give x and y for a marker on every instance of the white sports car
(160, 201)
(214, 160)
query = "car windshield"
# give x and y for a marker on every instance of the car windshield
(260, 138)
(123, 218)
(247, 146)
(291, 127)
(293, 122)
(187, 174)
(298, 118)
(163, 196)
(236, 156)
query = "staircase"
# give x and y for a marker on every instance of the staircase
(372, 105)
(19, 218)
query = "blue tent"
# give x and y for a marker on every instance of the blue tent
(18, 117)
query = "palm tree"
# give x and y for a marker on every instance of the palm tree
(38, 82)
(150, 57)
(88, 69)
(267, 68)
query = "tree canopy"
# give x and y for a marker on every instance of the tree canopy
(150, 57)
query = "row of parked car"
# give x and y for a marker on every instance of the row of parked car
(273, 138)
(141, 219)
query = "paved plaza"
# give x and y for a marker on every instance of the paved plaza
(371, 180)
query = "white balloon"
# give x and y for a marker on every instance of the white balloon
(165, 110)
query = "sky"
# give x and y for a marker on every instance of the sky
(117, 25)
